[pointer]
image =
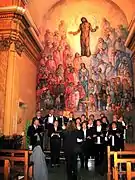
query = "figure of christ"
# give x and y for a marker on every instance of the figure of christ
(85, 28)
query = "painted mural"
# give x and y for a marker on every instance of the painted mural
(67, 79)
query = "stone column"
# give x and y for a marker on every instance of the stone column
(17, 34)
(10, 118)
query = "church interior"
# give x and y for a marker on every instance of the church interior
(73, 56)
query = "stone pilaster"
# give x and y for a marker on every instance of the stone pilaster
(130, 44)
(17, 35)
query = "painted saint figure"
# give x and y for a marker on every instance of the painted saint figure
(85, 28)
(84, 77)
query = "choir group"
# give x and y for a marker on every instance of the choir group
(93, 135)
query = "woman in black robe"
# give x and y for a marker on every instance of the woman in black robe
(55, 143)
(99, 142)
(114, 137)
(70, 150)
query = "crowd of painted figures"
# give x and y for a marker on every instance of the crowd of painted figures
(93, 135)
(65, 80)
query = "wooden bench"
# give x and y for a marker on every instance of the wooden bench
(117, 157)
(11, 156)
(7, 171)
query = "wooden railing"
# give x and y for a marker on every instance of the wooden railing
(113, 172)
(11, 156)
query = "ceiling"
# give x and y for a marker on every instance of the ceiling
(39, 8)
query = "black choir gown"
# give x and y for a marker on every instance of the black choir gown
(99, 146)
(32, 133)
(90, 141)
(86, 146)
(48, 125)
(48, 129)
(62, 121)
(80, 150)
(70, 152)
(79, 136)
(122, 129)
(55, 145)
(114, 139)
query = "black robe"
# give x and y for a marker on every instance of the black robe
(62, 121)
(48, 125)
(99, 146)
(70, 141)
(70, 151)
(116, 135)
(32, 134)
(55, 145)
(100, 134)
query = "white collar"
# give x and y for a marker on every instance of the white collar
(99, 128)
(90, 125)
(78, 127)
(35, 126)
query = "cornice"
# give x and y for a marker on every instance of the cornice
(22, 30)
(9, 10)
(19, 46)
(5, 43)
